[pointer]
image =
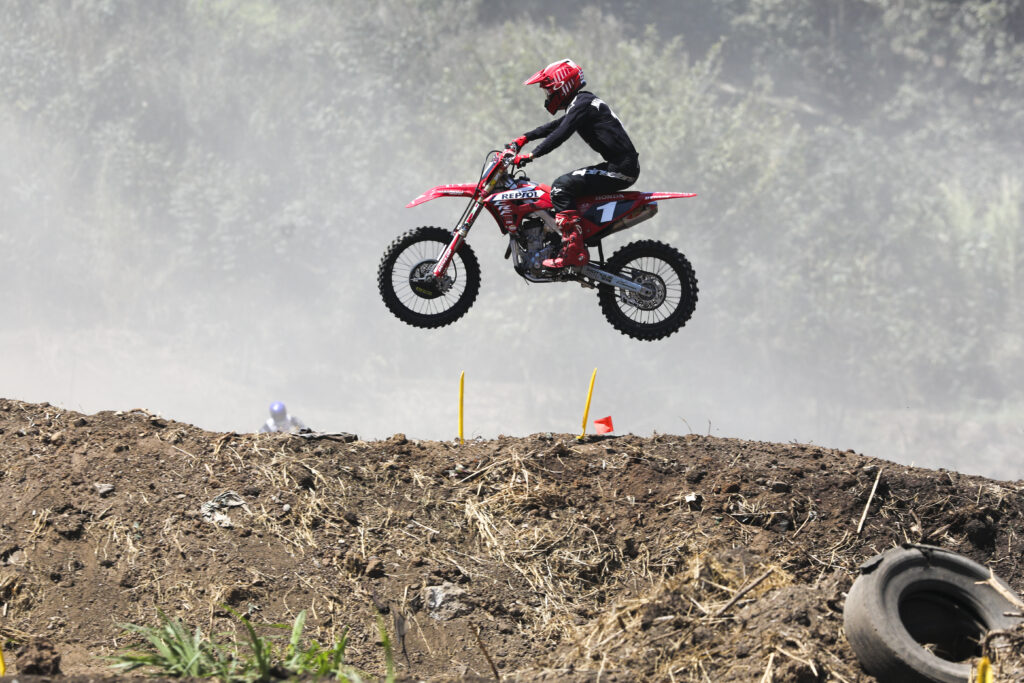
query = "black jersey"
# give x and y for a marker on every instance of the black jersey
(597, 124)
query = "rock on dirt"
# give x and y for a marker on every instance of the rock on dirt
(666, 558)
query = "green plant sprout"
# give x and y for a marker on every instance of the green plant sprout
(171, 650)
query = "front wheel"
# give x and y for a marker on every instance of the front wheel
(409, 289)
(670, 291)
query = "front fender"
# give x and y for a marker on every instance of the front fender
(465, 190)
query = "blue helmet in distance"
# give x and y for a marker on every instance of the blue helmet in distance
(278, 411)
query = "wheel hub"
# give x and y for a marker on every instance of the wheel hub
(652, 296)
(423, 282)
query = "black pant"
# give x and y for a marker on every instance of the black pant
(592, 180)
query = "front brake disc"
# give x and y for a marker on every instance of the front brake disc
(423, 282)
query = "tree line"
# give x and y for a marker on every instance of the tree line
(858, 161)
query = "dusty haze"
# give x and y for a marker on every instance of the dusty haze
(194, 202)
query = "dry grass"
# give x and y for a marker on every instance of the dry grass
(1005, 650)
(590, 558)
(524, 523)
(653, 633)
(17, 595)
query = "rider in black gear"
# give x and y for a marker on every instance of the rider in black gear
(594, 120)
(600, 128)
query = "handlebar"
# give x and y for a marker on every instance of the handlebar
(502, 158)
(507, 156)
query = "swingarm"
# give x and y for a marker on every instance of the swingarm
(616, 281)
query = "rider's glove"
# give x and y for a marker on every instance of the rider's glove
(522, 159)
(517, 144)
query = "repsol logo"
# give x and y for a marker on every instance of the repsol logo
(512, 195)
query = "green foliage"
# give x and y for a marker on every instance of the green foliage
(857, 161)
(169, 650)
(389, 655)
(315, 660)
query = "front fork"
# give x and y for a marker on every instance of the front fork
(458, 237)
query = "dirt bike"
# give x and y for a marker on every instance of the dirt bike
(429, 277)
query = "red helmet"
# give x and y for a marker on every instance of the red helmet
(562, 80)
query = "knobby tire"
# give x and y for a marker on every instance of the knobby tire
(650, 320)
(411, 252)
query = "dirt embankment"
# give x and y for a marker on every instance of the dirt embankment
(539, 558)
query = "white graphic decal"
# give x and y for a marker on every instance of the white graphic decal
(517, 194)
(597, 102)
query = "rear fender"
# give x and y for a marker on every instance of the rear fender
(464, 190)
(610, 213)
(658, 196)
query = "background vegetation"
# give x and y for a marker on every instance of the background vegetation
(195, 195)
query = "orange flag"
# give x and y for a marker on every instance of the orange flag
(604, 425)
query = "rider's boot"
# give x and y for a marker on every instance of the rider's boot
(573, 252)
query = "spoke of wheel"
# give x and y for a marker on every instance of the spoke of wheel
(673, 291)
(403, 268)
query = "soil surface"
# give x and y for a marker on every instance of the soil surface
(535, 558)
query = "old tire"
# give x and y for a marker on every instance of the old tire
(918, 613)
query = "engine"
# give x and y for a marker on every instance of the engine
(533, 243)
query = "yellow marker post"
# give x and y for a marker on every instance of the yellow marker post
(3, 667)
(462, 394)
(984, 671)
(586, 411)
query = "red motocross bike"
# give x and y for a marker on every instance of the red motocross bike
(429, 277)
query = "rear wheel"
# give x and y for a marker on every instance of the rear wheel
(409, 289)
(670, 291)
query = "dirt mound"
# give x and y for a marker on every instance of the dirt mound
(541, 558)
